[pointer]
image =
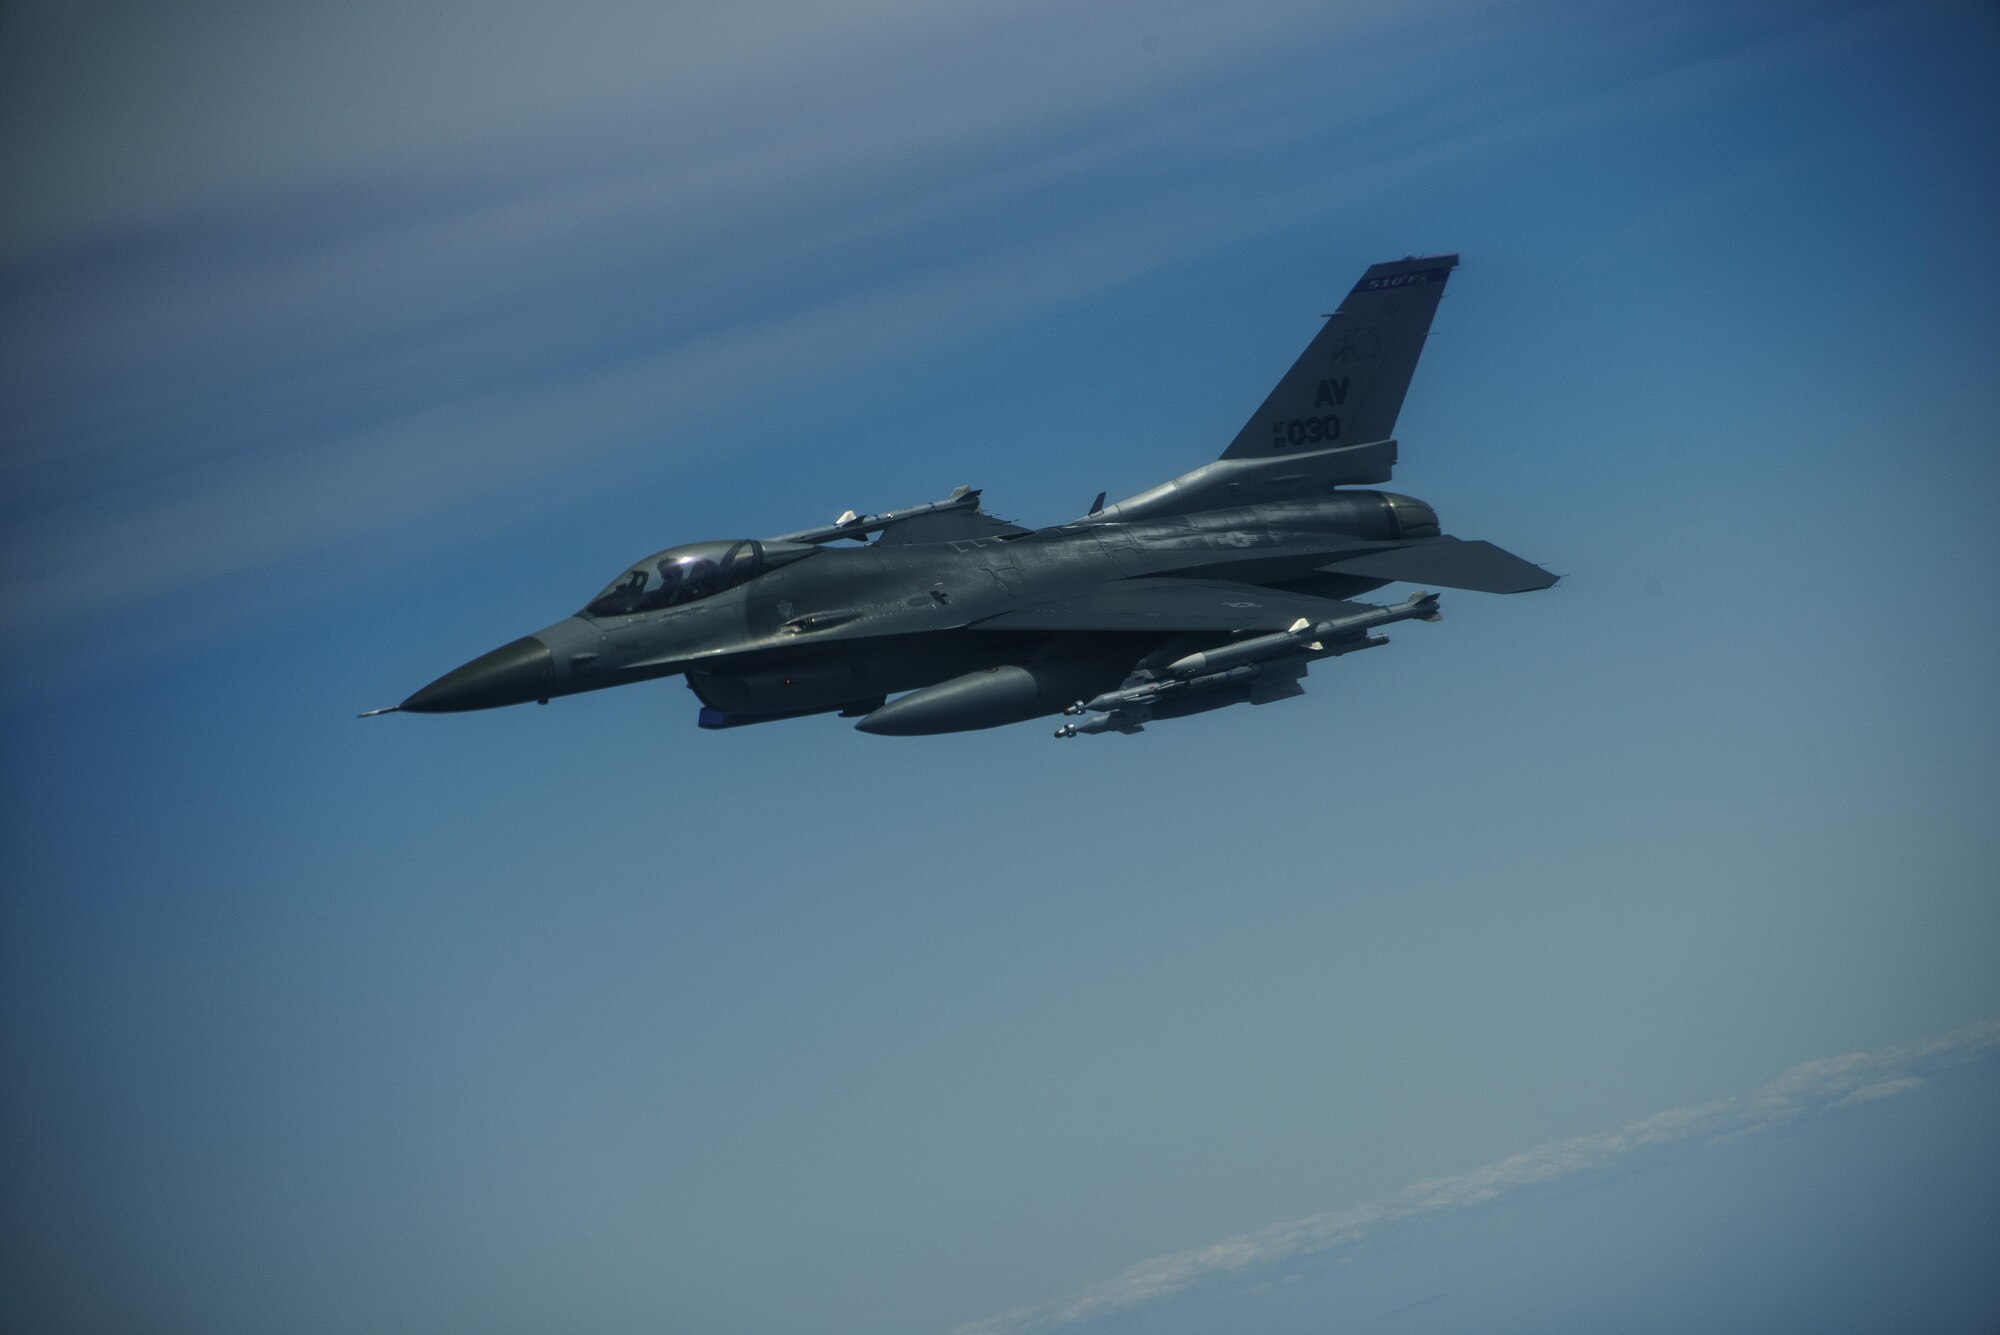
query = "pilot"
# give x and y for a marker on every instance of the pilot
(698, 578)
(669, 587)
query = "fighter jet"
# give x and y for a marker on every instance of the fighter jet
(1219, 587)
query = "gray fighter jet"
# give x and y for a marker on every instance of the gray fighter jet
(1219, 587)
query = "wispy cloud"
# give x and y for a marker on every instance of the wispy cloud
(346, 359)
(214, 392)
(1806, 1090)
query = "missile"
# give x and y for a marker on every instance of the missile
(1304, 637)
(1147, 693)
(1229, 673)
(1130, 709)
(1134, 704)
(1090, 723)
(853, 525)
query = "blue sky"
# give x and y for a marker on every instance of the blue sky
(341, 344)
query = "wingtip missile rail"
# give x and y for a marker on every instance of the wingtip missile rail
(859, 526)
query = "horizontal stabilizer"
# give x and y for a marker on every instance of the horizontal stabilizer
(1478, 566)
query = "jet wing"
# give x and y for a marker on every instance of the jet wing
(1158, 604)
(948, 526)
(1479, 566)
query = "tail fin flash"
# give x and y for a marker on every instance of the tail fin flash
(1347, 386)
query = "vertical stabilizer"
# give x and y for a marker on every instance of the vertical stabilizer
(1347, 386)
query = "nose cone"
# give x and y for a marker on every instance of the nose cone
(510, 675)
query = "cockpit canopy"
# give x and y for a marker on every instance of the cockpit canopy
(679, 575)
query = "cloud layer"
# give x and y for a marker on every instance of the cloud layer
(1806, 1090)
(224, 378)
(212, 381)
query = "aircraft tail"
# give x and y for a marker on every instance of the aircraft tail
(1330, 421)
(1348, 385)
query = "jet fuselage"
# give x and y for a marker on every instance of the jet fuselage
(845, 626)
(1218, 586)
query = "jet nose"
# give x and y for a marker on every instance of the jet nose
(510, 675)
